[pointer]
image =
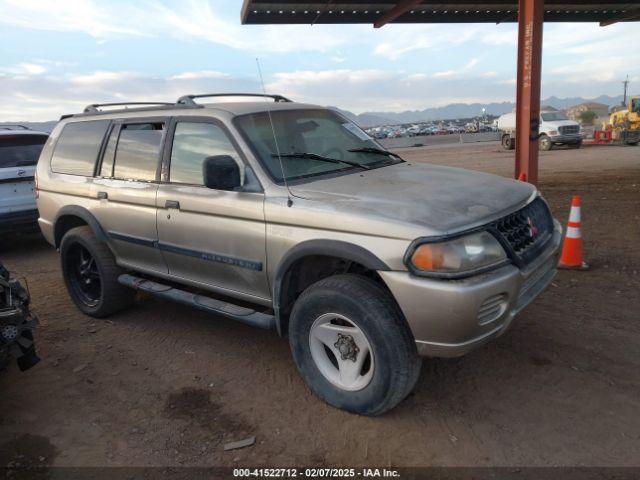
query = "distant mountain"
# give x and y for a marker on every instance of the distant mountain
(449, 112)
(40, 126)
(464, 110)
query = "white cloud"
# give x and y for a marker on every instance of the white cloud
(445, 74)
(46, 97)
(101, 78)
(191, 20)
(507, 35)
(383, 90)
(606, 69)
(472, 63)
(24, 69)
(399, 40)
(199, 75)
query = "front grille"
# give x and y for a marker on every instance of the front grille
(527, 230)
(569, 129)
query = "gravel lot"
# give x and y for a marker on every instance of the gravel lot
(161, 384)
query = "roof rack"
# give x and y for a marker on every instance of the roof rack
(95, 107)
(13, 126)
(190, 99)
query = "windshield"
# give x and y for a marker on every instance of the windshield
(552, 116)
(20, 150)
(321, 132)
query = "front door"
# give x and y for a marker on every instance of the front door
(213, 237)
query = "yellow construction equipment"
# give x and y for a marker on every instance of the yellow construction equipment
(625, 123)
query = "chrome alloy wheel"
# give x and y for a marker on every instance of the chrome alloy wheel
(341, 352)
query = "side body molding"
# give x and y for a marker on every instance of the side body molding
(329, 248)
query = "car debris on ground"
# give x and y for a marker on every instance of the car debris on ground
(16, 323)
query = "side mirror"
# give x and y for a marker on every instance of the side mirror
(221, 172)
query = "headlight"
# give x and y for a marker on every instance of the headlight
(553, 133)
(458, 257)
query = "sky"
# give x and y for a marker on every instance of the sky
(58, 56)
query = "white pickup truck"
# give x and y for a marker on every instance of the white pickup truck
(555, 129)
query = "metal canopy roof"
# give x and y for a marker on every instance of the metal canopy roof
(429, 11)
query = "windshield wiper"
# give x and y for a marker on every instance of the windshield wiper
(315, 156)
(377, 151)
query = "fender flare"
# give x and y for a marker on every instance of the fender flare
(332, 248)
(85, 215)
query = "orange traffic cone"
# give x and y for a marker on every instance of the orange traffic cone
(571, 257)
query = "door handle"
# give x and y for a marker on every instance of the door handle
(172, 204)
(103, 195)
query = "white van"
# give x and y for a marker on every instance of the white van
(555, 129)
(20, 149)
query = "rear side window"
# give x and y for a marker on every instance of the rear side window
(20, 150)
(138, 151)
(78, 146)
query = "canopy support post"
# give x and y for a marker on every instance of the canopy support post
(530, 21)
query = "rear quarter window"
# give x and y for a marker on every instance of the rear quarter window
(78, 146)
(20, 150)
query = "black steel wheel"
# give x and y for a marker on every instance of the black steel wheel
(91, 274)
(84, 276)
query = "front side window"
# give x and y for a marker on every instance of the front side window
(138, 151)
(318, 132)
(193, 142)
(20, 150)
(77, 149)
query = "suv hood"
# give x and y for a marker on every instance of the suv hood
(419, 199)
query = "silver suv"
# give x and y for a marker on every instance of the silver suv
(20, 148)
(288, 216)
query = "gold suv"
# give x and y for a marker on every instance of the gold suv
(289, 217)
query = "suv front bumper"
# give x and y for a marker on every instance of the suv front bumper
(449, 318)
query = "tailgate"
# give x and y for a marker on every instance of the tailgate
(16, 189)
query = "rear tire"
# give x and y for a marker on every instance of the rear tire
(352, 315)
(508, 143)
(91, 274)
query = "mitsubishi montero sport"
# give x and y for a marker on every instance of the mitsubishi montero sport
(287, 216)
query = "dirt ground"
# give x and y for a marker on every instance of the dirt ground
(162, 384)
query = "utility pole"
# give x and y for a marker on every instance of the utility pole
(626, 85)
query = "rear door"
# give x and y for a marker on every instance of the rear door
(18, 158)
(212, 237)
(126, 186)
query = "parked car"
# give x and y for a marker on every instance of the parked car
(301, 223)
(555, 129)
(20, 148)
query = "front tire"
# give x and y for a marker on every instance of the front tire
(91, 274)
(545, 143)
(352, 345)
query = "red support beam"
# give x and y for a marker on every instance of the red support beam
(400, 9)
(530, 21)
